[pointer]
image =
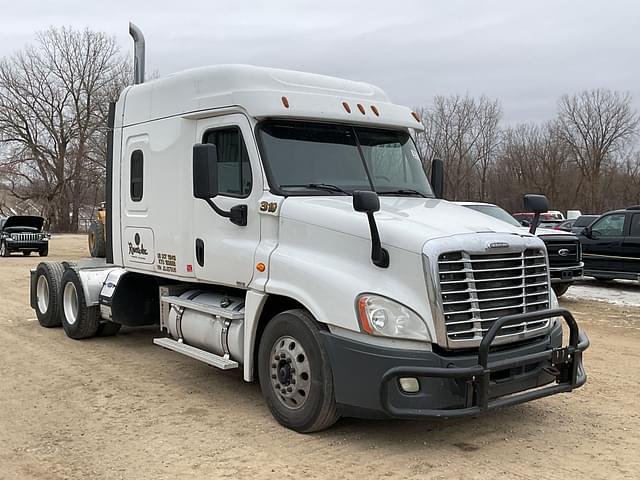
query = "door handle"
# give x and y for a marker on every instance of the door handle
(200, 251)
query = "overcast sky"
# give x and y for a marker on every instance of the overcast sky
(524, 53)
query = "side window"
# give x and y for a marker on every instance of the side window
(137, 175)
(610, 226)
(635, 226)
(234, 169)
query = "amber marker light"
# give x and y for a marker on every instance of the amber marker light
(361, 108)
(362, 312)
(346, 107)
(285, 102)
(261, 267)
(416, 116)
(375, 111)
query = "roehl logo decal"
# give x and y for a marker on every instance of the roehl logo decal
(138, 249)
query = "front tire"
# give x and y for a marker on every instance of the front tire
(26, 254)
(4, 250)
(78, 320)
(44, 252)
(295, 373)
(48, 281)
(561, 288)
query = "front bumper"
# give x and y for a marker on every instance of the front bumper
(566, 273)
(366, 377)
(31, 245)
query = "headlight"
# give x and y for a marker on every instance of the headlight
(382, 316)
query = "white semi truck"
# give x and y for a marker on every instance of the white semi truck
(282, 223)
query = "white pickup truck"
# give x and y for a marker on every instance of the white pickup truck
(563, 248)
(282, 223)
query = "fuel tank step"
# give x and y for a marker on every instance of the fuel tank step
(203, 307)
(196, 353)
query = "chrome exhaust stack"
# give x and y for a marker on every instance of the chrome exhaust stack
(138, 53)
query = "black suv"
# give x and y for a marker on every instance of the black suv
(23, 233)
(611, 245)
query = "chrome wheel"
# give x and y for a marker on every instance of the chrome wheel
(70, 303)
(290, 372)
(42, 292)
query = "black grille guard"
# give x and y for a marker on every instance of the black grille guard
(566, 365)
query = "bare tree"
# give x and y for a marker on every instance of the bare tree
(54, 99)
(596, 124)
(464, 133)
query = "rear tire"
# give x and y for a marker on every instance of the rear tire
(561, 288)
(96, 239)
(78, 320)
(298, 386)
(48, 281)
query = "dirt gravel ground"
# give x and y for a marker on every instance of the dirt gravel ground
(122, 408)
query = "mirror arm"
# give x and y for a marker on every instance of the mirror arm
(534, 223)
(237, 215)
(379, 255)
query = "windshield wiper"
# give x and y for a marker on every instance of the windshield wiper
(319, 186)
(403, 191)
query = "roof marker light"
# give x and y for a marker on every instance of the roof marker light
(416, 116)
(361, 108)
(374, 109)
(346, 107)
(285, 102)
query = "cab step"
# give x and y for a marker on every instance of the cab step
(197, 354)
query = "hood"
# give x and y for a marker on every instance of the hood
(405, 223)
(542, 232)
(28, 221)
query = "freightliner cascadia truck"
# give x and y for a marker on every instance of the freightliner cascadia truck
(282, 223)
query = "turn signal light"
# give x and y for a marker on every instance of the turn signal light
(261, 267)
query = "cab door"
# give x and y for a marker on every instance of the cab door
(223, 252)
(602, 250)
(631, 245)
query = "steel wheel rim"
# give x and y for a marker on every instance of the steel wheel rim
(290, 372)
(70, 303)
(42, 292)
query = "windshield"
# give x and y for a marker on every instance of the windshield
(495, 212)
(584, 221)
(306, 157)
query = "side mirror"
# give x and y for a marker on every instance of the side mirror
(525, 223)
(205, 171)
(366, 201)
(586, 231)
(537, 204)
(437, 177)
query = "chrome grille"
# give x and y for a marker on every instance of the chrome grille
(477, 289)
(25, 237)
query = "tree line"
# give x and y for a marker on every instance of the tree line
(54, 98)
(54, 101)
(585, 158)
